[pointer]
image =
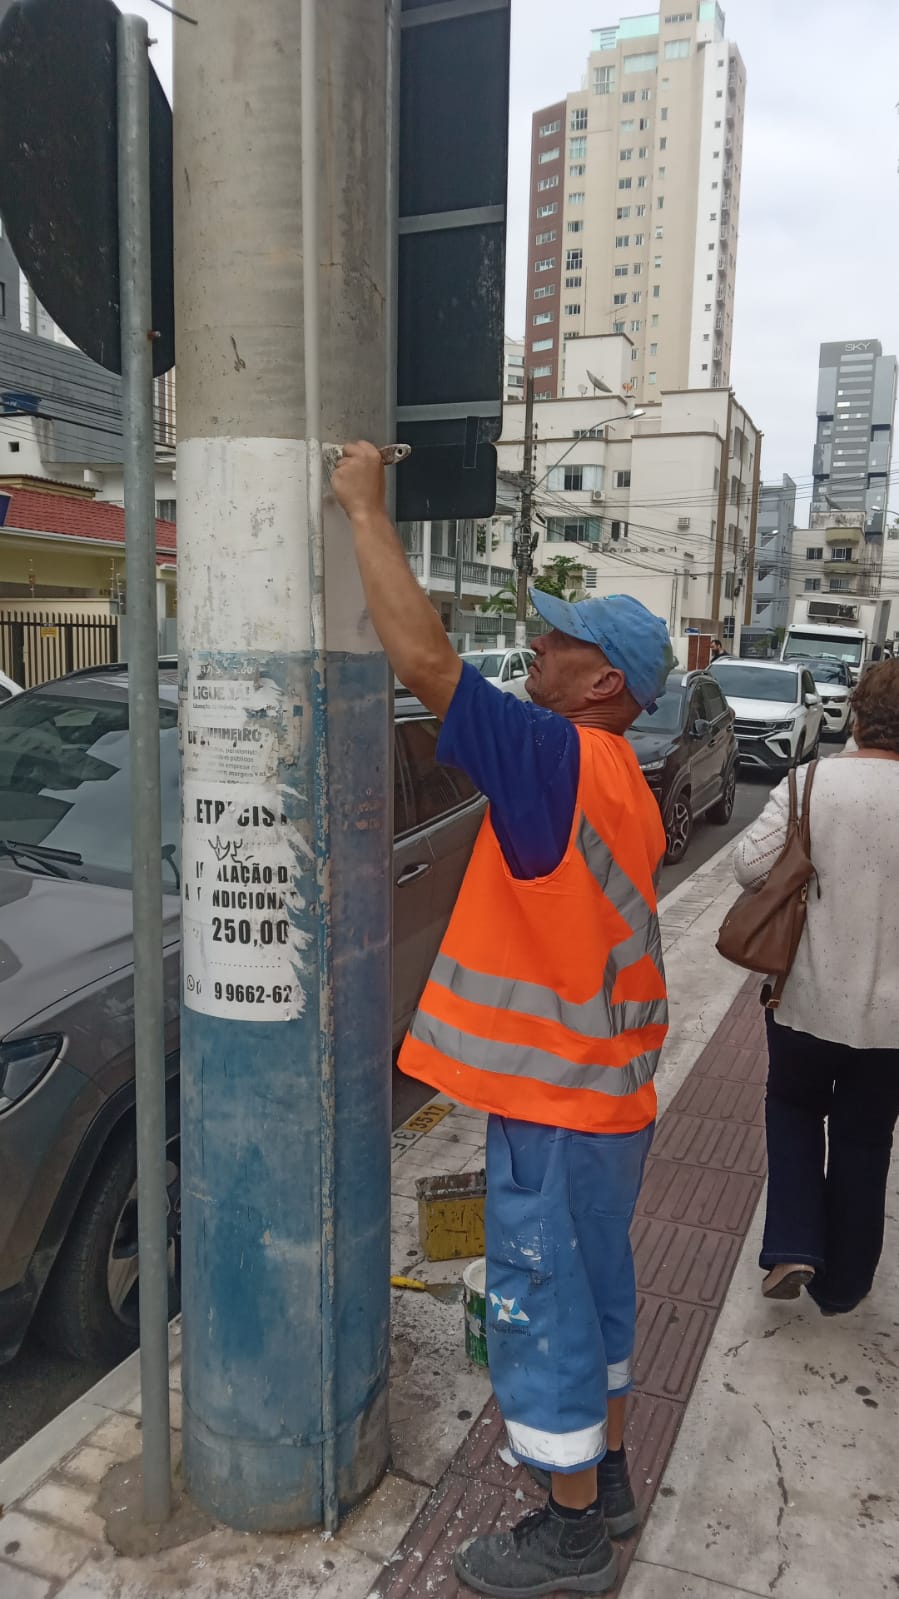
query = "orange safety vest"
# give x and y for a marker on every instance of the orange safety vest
(547, 1001)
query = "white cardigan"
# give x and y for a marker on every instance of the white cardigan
(844, 985)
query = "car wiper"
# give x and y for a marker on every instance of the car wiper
(52, 859)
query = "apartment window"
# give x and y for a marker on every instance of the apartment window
(577, 198)
(677, 49)
(543, 294)
(579, 119)
(628, 97)
(813, 585)
(548, 128)
(622, 240)
(660, 203)
(546, 265)
(646, 94)
(714, 185)
(574, 227)
(663, 143)
(637, 296)
(635, 355)
(662, 171)
(719, 95)
(628, 125)
(622, 480)
(635, 327)
(638, 268)
(573, 479)
(640, 211)
(713, 216)
(646, 62)
(545, 238)
(548, 210)
(653, 349)
(654, 320)
(617, 327)
(681, 16)
(547, 183)
(574, 260)
(626, 155)
(624, 183)
(709, 277)
(619, 299)
(657, 262)
(643, 152)
(644, 124)
(577, 149)
(841, 552)
(577, 169)
(814, 553)
(546, 156)
(641, 183)
(541, 371)
(573, 309)
(541, 344)
(623, 213)
(660, 233)
(619, 531)
(604, 80)
(542, 316)
(705, 366)
(639, 238)
(717, 124)
(663, 113)
(705, 338)
(544, 394)
(621, 271)
(839, 585)
(573, 283)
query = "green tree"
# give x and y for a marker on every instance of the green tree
(563, 576)
(504, 602)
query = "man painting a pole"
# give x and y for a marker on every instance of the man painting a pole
(547, 1008)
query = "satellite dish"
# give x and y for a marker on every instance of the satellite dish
(598, 383)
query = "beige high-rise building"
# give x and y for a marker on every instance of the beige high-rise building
(634, 209)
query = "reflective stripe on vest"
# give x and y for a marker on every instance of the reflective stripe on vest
(595, 1018)
(516, 1060)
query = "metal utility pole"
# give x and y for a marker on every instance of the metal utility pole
(284, 343)
(143, 710)
(524, 546)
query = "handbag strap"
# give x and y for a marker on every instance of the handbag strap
(771, 997)
(805, 823)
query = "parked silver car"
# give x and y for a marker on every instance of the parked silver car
(507, 670)
(68, 1215)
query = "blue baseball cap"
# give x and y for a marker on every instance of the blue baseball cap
(630, 637)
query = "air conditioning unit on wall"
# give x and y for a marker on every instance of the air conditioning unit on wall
(597, 496)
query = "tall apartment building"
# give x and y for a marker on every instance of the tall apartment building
(634, 205)
(773, 558)
(854, 442)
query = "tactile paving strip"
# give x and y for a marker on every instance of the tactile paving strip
(703, 1181)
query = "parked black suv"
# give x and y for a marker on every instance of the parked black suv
(688, 754)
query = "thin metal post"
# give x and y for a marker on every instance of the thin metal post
(143, 700)
(309, 201)
(524, 545)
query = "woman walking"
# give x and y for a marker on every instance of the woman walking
(833, 1042)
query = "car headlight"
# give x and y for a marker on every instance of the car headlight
(782, 727)
(654, 766)
(23, 1064)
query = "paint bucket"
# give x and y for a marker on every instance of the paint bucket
(474, 1298)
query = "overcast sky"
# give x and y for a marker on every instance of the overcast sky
(819, 217)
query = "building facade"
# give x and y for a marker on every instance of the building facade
(773, 560)
(634, 204)
(513, 369)
(854, 442)
(833, 555)
(657, 501)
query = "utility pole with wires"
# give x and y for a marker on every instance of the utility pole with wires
(523, 548)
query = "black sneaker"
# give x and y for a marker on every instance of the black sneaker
(544, 1554)
(615, 1492)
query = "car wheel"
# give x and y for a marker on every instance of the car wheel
(722, 812)
(89, 1308)
(680, 829)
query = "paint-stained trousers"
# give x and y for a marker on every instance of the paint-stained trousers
(561, 1292)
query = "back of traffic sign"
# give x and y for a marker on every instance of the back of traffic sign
(58, 163)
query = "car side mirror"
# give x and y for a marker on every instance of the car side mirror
(519, 673)
(811, 699)
(701, 728)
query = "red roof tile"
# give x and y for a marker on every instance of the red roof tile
(39, 511)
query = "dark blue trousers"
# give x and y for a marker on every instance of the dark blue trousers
(826, 1197)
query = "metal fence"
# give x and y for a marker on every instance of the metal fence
(37, 646)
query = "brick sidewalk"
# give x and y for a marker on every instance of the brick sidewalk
(703, 1181)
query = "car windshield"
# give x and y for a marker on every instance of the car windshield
(667, 718)
(489, 665)
(65, 776)
(747, 682)
(824, 643)
(827, 671)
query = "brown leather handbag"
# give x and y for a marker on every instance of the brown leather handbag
(762, 929)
